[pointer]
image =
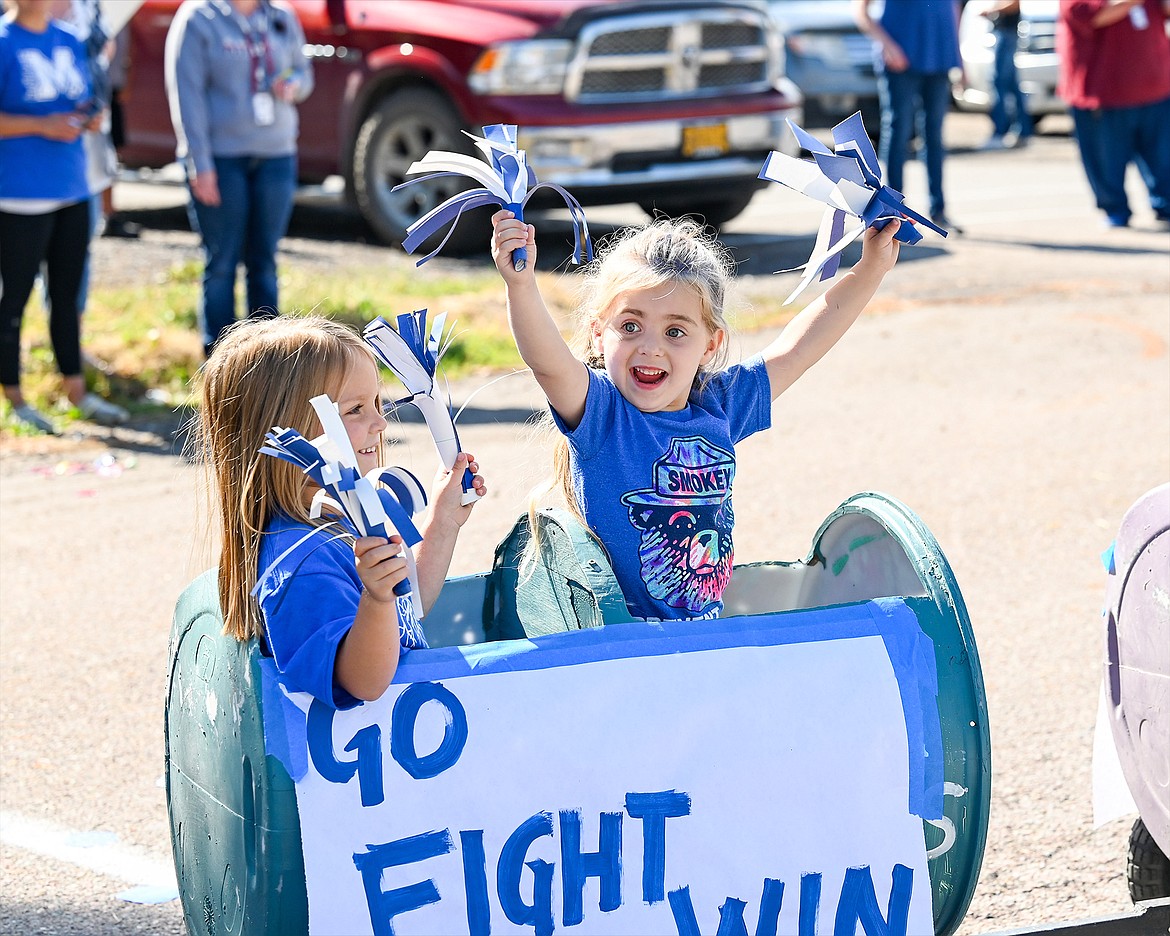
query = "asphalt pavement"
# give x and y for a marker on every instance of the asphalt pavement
(1011, 385)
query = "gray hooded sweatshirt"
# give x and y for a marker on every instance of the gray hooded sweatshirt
(217, 61)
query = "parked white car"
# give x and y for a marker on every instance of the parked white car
(1036, 62)
(829, 59)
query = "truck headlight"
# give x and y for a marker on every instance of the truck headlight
(534, 66)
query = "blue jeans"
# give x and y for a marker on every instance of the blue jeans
(1009, 107)
(256, 200)
(1110, 139)
(903, 96)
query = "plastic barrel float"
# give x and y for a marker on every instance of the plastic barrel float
(807, 763)
(1137, 682)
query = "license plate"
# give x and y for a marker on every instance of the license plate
(704, 140)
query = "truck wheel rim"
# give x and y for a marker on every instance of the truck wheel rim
(404, 142)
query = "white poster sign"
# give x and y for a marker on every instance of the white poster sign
(761, 775)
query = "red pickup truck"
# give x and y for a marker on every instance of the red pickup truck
(672, 105)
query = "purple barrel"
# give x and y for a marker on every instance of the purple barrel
(1137, 657)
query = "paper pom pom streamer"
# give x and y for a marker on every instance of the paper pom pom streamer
(849, 182)
(413, 354)
(505, 180)
(373, 510)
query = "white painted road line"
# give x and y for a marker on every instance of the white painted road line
(100, 852)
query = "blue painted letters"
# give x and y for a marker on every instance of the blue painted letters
(367, 765)
(605, 864)
(654, 809)
(385, 905)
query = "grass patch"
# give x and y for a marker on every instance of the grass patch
(148, 341)
(147, 336)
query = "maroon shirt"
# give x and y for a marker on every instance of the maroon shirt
(1112, 66)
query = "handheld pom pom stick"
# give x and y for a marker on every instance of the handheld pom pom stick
(849, 182)
(373, 510)
(505, 180)
(413, 354)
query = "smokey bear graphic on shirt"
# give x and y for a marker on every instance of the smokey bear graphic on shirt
(656, 488)
(685, 523)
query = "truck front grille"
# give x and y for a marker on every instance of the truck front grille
(672, 55)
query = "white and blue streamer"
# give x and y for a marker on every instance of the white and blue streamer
(849, 182)
(505, 180)
(413, 354)
(378, 503)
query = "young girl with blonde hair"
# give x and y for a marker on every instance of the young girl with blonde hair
(649, 413)
(325, 608)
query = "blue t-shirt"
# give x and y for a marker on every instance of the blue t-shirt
(656, 487)
(927, 31)
(42, 74)
(309, 591)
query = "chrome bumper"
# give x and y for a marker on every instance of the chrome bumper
(583, 157)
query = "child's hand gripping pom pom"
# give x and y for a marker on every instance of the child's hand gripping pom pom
(413, 355)
(373, 510)
(849, 182)
(505, 180)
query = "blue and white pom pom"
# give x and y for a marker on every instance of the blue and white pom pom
(413, 354)
(849, 182)
(379, 503)
(505, 180)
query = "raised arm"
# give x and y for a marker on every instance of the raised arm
(809, 336)
(563, 378)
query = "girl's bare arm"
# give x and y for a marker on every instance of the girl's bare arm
(563, 378)
(809, 336)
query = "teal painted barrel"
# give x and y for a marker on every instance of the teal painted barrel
(235, 830)
(880, 534)
(234, 821)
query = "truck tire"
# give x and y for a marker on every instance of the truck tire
(714, 212)
(1147, 869)
(401, 129)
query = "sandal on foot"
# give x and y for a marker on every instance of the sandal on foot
(102, 412)
(32, 417)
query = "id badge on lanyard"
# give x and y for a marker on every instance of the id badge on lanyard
(260, 62)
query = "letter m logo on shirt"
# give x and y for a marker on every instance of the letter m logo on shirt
(47, 79)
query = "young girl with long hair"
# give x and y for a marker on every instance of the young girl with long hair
(649, 412)
(325, 608)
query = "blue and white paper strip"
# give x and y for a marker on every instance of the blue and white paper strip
(413, 354)
(373, 509)
(505, 180)
(849, 182)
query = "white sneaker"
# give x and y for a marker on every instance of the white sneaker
(993, 143)
(102, 412)
(30, 416)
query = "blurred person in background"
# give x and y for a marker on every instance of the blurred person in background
(918, 46)
(119, 68)
(1011, 124)
(84, 17)
(235, 71)
(1115, 77)
(46, 105)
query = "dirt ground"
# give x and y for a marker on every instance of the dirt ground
(1011, 385)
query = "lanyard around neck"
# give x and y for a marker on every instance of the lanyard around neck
(259, 50)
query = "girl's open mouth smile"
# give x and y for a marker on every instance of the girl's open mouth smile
(647, 376)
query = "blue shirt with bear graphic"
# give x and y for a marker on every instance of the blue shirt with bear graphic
(656, 487)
